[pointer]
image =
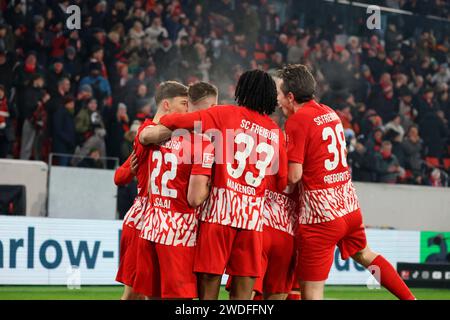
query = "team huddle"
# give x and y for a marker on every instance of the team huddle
(224, 190)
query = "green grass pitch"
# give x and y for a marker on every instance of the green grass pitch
(114, 293)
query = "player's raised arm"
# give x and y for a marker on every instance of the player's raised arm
(182, 121)
(154, 134)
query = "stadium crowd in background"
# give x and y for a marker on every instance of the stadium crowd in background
(84, 92)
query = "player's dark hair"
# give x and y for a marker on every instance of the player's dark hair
(201, 90)
(299, 80)
(257, 90)
(170, 90)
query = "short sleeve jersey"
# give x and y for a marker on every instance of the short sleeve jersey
(315, 139)
(249, 146)
(172, 221)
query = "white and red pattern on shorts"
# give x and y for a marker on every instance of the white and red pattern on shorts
(134, 216)
(317, 206)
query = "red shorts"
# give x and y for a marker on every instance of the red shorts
(317, 243)
(128, 255)
(165, 272)
(222, 248)
(278, 262)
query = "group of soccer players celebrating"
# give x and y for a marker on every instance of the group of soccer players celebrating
(224, 190)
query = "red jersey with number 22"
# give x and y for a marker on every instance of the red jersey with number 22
(171, 221)
(315, 138)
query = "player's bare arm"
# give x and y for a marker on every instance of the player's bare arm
(295, 173)
(156, 134)
(198, 190)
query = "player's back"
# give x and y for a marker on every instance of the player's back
(326, 183)
(174, 221)
(247, 149)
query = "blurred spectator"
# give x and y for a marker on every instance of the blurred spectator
(117, 125)
(434, 132)
(164, 58)
(63, 134)
(437, 178)
(54, 75)
(4, 115)
(57, 101)
(396, 125)
(5, 72)
(362, 163)
(35, 115)
(387, 166)
(128, 141)
(23, 73)
(413, 148)
(155, 31)
(91, 131)
(100, 86)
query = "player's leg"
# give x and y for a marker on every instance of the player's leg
(208, 286)
(241, 288)
(244, 264)
(354, 244)
(214, 243)
(295, 294)
(127, 266)
(388, 276)
(312, 290)
(275, 296)
(316, 246)
(129, 294)
(280, 267)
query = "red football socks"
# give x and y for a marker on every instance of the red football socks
(391, 280)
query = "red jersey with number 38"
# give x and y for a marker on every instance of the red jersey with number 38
(315, 138)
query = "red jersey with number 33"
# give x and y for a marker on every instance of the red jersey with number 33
(315, 138)
(249, 146)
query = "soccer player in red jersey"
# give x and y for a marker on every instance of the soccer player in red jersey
(330, 214)
(248, 146)
(179, 182)
(136, 164)
(278, 255)
(202, 95)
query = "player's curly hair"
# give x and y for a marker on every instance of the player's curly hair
(298, 79)
(257, 90)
